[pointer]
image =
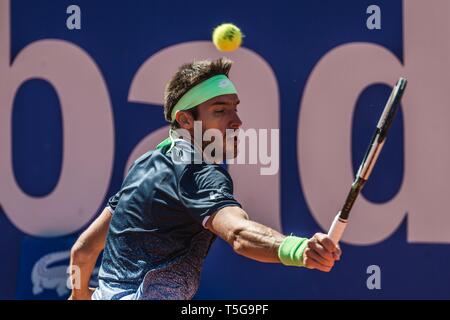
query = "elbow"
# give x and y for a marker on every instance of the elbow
(237, 241)
(237, 236)
(81, 251)
(78, 252)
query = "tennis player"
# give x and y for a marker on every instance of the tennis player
(157, 230)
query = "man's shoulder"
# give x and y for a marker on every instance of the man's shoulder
(151, 164)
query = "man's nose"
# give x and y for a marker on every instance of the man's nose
(236, 122)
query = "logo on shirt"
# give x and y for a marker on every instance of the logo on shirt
(213, 196)
(220, 193)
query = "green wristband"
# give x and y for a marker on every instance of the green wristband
(291, 251)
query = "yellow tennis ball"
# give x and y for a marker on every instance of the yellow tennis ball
(227, 37)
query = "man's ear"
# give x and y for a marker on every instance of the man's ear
(185, 120)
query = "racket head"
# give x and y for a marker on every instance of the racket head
(391, 108)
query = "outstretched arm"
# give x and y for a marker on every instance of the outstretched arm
(261, 243)
(84, 254)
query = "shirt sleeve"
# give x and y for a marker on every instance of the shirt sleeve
(112, 202)
(204, 189)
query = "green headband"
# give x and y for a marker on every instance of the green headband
(208, 89)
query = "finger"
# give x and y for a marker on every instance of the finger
(316, 257)
(336, 257)
(317, 247)
(312, 264)
(326, 242)
(337, 254)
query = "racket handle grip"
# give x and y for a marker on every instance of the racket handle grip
(337, 229)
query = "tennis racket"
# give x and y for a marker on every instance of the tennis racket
(340, 221)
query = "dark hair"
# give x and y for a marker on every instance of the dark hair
(187, 77)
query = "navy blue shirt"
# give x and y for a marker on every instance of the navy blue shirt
(157, 242)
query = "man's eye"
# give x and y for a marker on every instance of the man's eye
(219, 111)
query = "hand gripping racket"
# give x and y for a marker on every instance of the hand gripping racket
(392, 105)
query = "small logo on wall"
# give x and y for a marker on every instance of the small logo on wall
(44, 276)
(43, 272)
(47, 275)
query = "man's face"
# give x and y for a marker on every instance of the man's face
(221, 113)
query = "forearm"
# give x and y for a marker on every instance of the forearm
(82, 264)
(85, 252)
(256, 241)
(248, 238)
(261, 243)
